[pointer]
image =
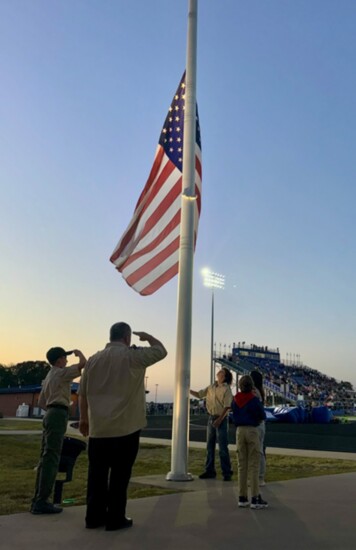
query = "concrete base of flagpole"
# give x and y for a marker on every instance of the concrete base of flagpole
(171, 476)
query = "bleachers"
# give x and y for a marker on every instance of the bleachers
(297, 383)
(245, 367)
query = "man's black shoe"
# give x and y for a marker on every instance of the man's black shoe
(227, 478)
(126, 522)
(94, 524)
(45, 508)
(207, 475)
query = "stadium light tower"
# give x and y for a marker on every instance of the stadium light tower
(156, 395)
(214, 281)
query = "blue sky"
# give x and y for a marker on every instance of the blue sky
(85, 88)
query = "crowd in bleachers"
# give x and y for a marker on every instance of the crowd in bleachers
(299, 381)
(314, 387)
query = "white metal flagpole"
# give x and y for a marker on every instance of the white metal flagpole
(180, 435)
(212, 369)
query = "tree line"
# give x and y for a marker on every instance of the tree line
(28, 373)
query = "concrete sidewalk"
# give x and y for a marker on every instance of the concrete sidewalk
(306, 514)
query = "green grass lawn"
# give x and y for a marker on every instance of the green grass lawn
(347, 418)
(28, 425)
(19, 455)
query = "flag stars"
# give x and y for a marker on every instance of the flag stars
(172, 134)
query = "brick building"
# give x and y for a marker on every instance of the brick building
(12, 398)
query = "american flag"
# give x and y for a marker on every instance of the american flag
(147, 253)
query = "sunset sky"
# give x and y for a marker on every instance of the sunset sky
(85, 88)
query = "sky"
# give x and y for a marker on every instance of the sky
(85, 88)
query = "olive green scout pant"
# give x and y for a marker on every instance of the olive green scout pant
(54, 428)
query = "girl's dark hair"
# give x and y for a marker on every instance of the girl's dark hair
(258, 381)
(228, 376)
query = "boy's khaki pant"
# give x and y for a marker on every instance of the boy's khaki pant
(248, 458)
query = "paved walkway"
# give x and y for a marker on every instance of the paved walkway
(306, 514)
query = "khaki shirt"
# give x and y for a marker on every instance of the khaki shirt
(56, 386)
(218, 397)
(113, 385)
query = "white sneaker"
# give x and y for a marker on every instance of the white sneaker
(257, 503)
(243, 502)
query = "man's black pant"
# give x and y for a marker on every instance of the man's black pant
(110, 463)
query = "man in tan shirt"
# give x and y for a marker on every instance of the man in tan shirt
(112, 412)
(55, 399)
(218, 401)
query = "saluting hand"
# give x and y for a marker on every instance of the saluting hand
(81, 357)
(143, 336)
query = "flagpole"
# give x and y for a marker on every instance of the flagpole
(180, 433)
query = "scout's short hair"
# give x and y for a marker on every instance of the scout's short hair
(119, 331)
(246, 383)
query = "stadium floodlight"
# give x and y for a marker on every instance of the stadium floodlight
(214, 281)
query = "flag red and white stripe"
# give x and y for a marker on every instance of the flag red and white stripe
(148, 252)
